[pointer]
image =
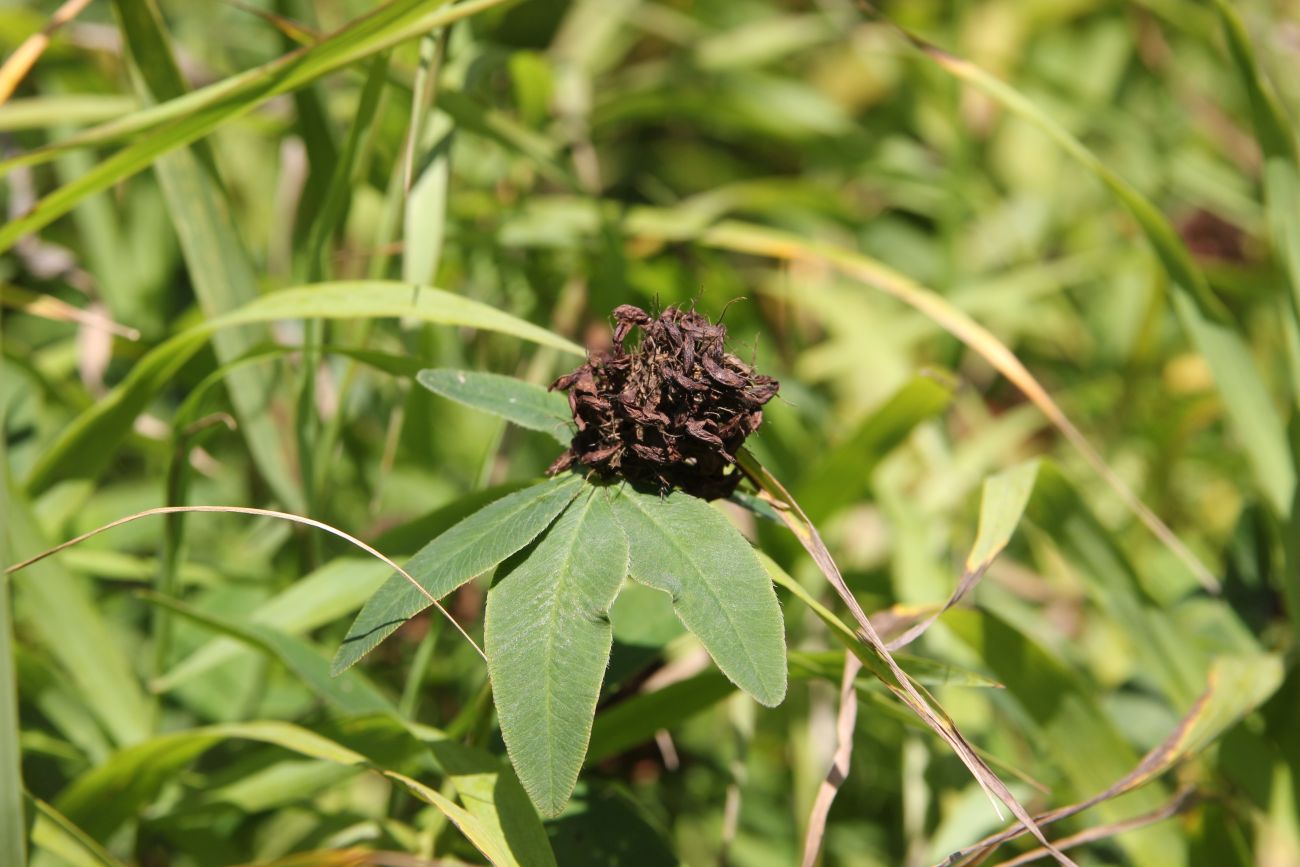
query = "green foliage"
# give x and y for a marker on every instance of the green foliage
(1029, 276)
(517, 402)
(547, 635)
(682, 546)
(473, 546)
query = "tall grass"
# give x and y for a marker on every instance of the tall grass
(1028, 275)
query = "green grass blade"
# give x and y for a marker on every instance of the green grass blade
(1250, 410)
(109, 420)
(473, 546)
(13, 827)
(55, 834)
(518, 402)
(62, 615)
(193, 116)
(548, 638)
(841, 475)
(351, 693)
(1005, 497)
(720, 591)
(635, 720)
(1068, 722)
(492, 794)
(219, 266)
(332, 591)
(1272, 131)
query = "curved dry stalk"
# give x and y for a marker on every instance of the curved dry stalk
(1180, 802)
(49, 307)
(771, 490)
(839, 770)
(756, 240)
(24, 58)
(264, 513)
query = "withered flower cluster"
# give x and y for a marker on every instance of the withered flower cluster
(671, 411)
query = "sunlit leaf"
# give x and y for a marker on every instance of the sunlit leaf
(470, 548)
(548, 637)
(687, 549)
(518, 402)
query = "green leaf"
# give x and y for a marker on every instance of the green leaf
(86, 446)
(491, 793)
(103, 798)
(474, 829)
(840, 476)
(722, 594)
(55, 835)
(470, 548)
(635, 720)
(337, 588)
(185, 119)
(548, 636)
(1250, 411)
(1272, 131)
(13, 827)
(351, 693)
(218, 264)
(522, 403)
(1006, 494)
(61, 613)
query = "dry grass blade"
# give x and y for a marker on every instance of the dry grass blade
(839, 770)
(1181, 741)
(756, 240)
(49, 307)
(793, 516)
(1182, 801)
(15, 69)
(264, 513)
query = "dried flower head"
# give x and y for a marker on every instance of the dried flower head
(670, 411)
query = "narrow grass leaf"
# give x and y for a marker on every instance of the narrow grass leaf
(351, 693)
(1005, 497)
(87, 445)
(1251, 413)
(337, 588)
(1236, 686)
(635, 720)
(686, 548)
(490, 792)
(56, 835)
(1272, 131)
(840, 476)
(473, 546)
(13, 826)
(474, 829)
(62, 615)
(103, 798)
(190, 117)
(548, 637)
(219, 266)
(518, 402)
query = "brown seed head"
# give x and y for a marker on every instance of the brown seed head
(671, 411)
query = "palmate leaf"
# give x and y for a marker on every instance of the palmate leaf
(686, 548)
(522, 403)
(548, 640)
(470, 548)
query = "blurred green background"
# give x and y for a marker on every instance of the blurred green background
(553, 160)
